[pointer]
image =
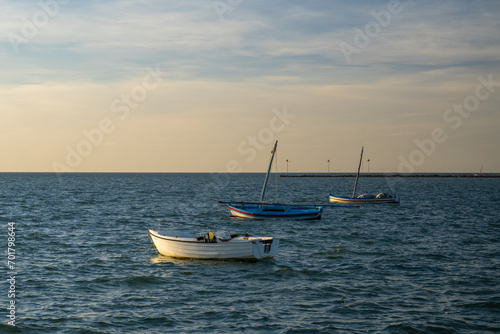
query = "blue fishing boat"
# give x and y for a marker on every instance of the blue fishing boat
(266, 210)
(262, 210)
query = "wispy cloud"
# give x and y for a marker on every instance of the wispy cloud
(111, 39)
(222, 78)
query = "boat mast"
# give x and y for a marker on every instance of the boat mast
(357, 176)
(263, 194)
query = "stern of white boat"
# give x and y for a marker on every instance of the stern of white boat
(265, 248)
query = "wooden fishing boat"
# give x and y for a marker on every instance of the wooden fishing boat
(263, 210)
(266, 210)
(207, 246)
(365, 198)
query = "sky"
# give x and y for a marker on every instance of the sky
(208, 86)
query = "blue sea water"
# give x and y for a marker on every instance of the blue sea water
(84, 264)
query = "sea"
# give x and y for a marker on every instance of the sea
(81, 260)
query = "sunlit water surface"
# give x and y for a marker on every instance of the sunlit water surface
(428, 265)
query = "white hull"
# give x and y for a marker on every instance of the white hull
(355, 200)
(183, 245)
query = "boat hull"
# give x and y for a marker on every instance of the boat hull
(275, 211)
(351, 200)
(190, 247)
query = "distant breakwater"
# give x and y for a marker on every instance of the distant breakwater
(488, 175)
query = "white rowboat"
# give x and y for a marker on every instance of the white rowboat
(210, 246)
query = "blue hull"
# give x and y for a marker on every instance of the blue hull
(274, 211)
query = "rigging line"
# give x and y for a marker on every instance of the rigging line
(276, 175)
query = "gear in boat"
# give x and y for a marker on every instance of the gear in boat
(210, 237)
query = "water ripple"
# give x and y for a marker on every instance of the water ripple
(85, 265)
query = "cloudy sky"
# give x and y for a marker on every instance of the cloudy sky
(200, 86)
